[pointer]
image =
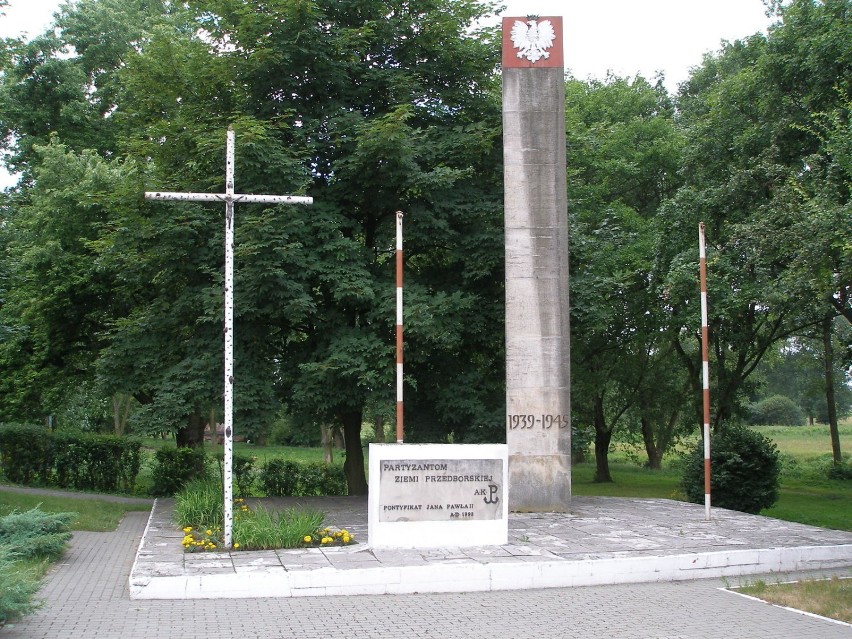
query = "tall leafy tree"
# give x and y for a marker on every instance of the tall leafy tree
(371, 107)
(623, 158)
(751, 169)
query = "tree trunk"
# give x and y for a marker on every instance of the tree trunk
(828, 362)
(191, 435)
(656, 447)
(327, 443)
(379, 429)
(655, 455)
(120, 412)
(603, 436)
(353, 467)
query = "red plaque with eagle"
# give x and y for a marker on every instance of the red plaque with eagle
(532, 41)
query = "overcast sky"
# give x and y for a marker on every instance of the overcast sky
(623, 36)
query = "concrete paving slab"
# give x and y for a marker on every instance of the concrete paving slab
(602, 540)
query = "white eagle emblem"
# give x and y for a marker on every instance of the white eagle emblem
(531, 39)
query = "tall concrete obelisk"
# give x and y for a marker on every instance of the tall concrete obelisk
(538, 397)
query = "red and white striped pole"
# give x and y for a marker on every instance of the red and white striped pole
(705, 359)
(399, 437)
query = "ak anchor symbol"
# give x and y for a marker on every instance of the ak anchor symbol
(492, 498)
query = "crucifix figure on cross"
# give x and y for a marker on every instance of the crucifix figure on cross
(229, 198)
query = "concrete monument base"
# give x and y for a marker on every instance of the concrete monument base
(540, 483)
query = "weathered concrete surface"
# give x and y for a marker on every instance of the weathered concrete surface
(537, 308)
(602, 540)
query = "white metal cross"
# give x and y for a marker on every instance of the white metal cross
(229, 198)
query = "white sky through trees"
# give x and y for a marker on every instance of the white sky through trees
(627, 37)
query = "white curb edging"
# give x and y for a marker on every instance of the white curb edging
(478, 577)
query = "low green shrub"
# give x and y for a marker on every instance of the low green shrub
(778, 410)
(283, 478)
(744, 471)
(841, 471)
(90, 461)
(242, 468)
(175, 467)
(277, 477)
(29, 535)
(26, 453)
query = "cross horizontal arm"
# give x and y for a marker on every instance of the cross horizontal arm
(221, 197)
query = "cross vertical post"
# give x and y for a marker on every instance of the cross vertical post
(229, 198)
(399, 378)
(228, 462)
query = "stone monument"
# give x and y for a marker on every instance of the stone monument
(538, 420)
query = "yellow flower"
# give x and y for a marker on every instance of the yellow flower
(208, 532)
(308, 539)
(188, 529)
(345, 539)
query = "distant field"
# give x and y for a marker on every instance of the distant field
(807, 442)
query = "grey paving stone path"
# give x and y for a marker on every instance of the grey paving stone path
(86, 595)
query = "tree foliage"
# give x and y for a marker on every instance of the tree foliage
(374, 107)
(624, 153)
(370, 107)
(775, 200)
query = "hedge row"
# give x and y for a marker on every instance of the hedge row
(282, 478)
(68, 459)
(175, 467)
(32, 455)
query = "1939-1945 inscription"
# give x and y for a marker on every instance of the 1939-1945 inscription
(441, 490)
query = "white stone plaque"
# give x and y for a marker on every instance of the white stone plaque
(438, 495)
(441, 489)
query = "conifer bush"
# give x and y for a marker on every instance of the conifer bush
(18, 587)
(34, 535)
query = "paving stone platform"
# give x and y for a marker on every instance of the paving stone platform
(602, 540)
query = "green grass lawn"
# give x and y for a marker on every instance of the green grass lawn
(826, 597)
(629, 480)
(92, 514)
(297, 453)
